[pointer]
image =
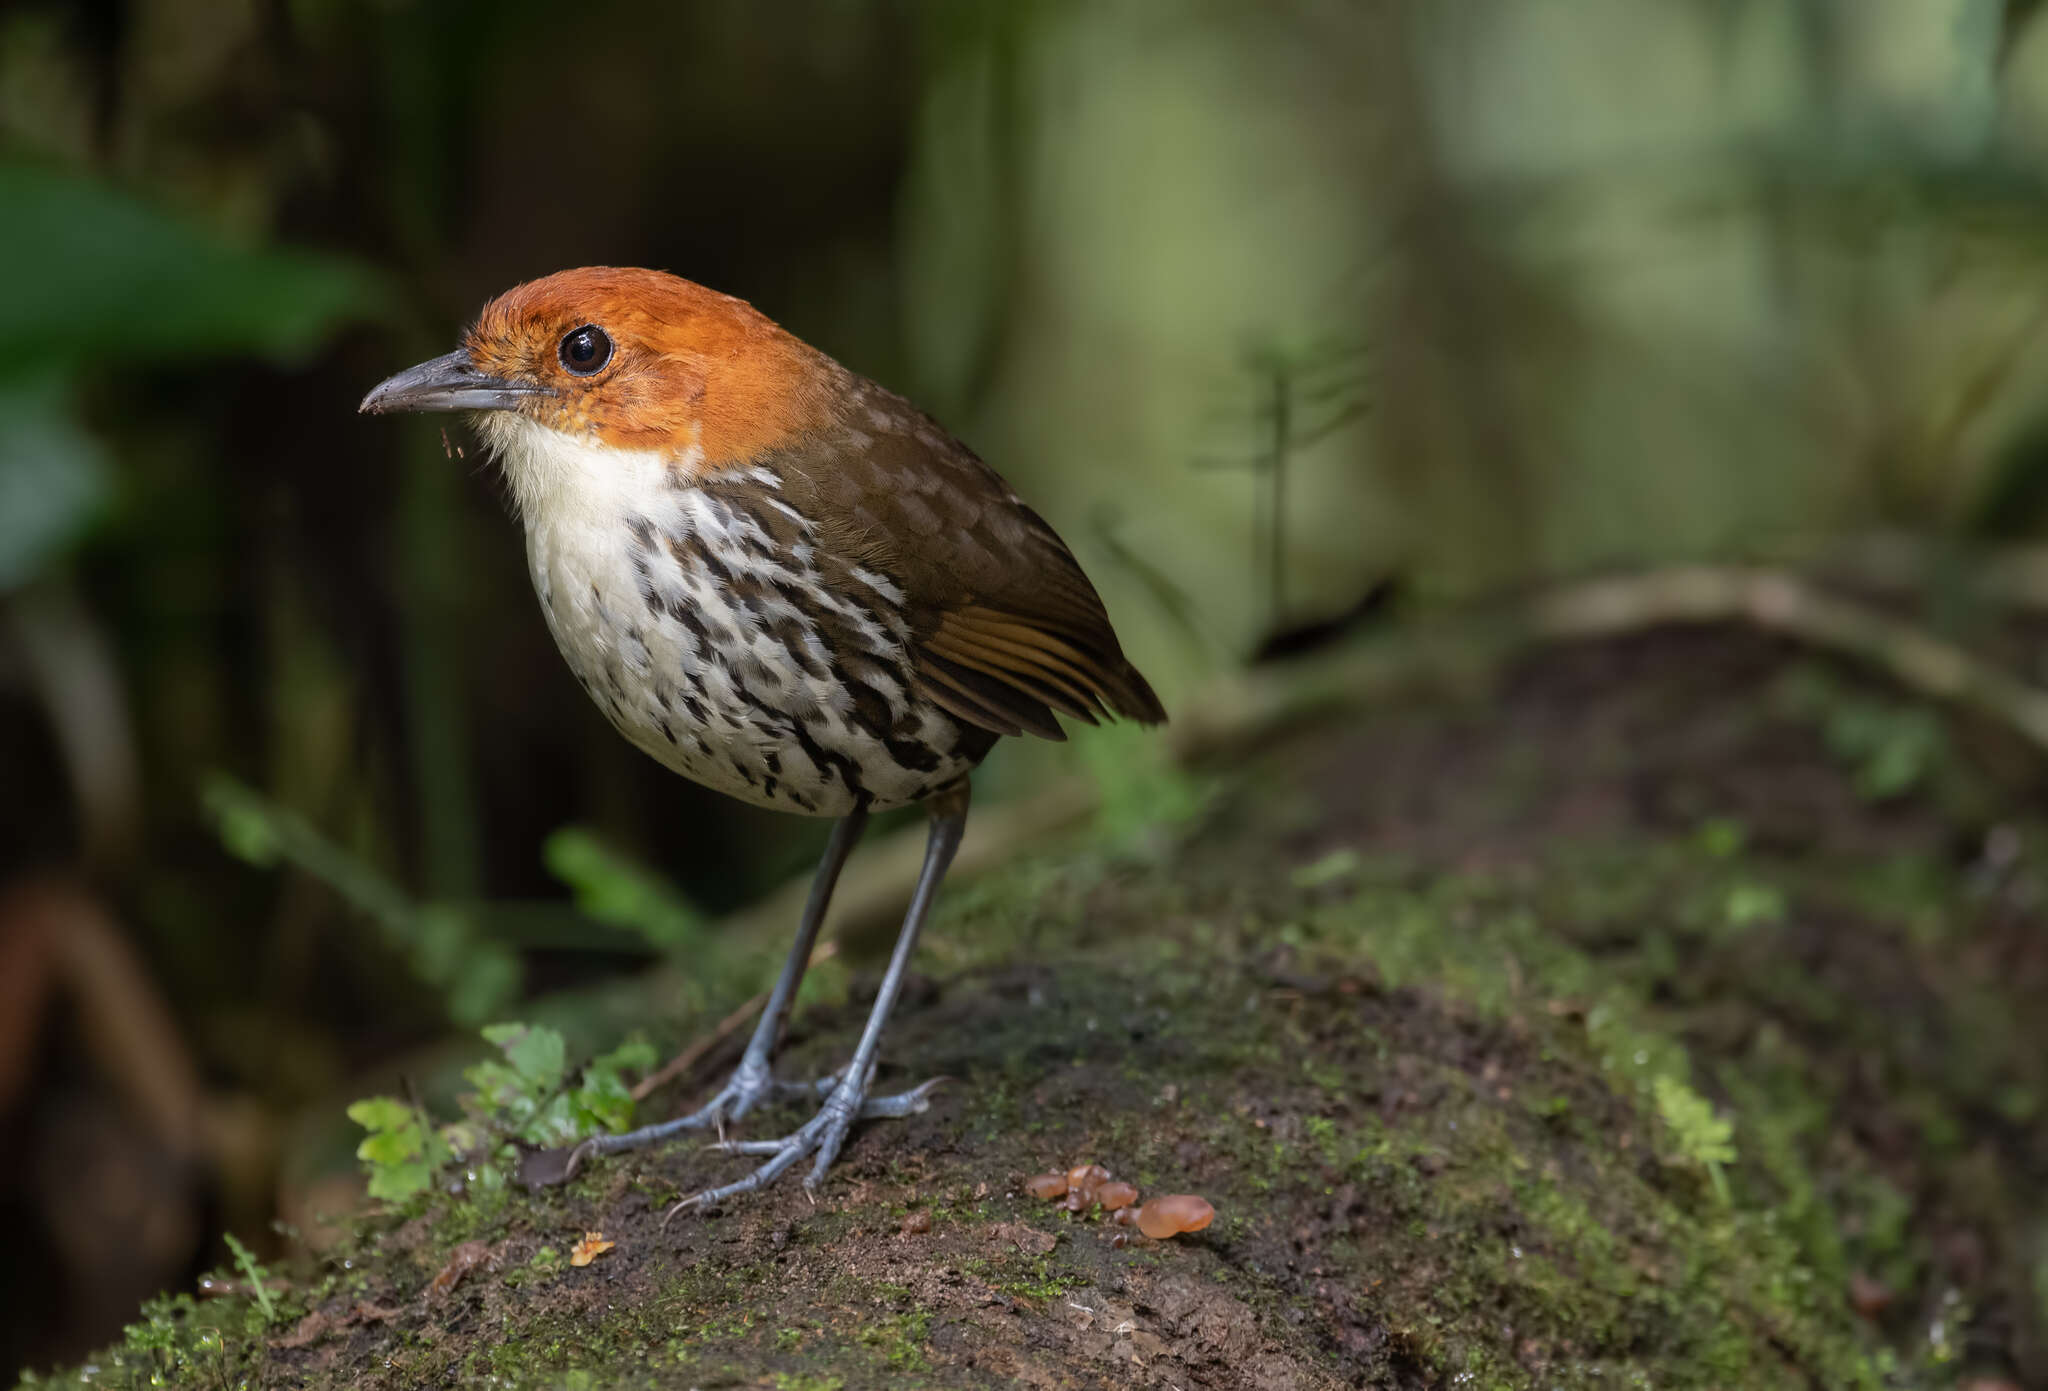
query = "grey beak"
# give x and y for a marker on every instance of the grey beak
(450, 383)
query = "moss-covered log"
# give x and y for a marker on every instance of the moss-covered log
(1444, 1008)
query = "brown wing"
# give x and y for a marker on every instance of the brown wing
(1008, 630)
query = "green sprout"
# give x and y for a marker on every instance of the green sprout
(252, 1270)
(1702, 1136)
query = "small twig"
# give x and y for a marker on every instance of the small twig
(682, 1062)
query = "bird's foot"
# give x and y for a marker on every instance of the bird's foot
(748, 1086)
(751, 1083)
(819, 1138)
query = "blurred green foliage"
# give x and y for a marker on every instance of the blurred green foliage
(1138, 787)
(1893, 745)
(103, 277)
(612, 888)
(440, 941)
(118, 280)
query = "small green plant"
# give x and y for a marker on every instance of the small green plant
(539, 1266)
(402, 1152)
(525, 1095)
(164, 1341)
(1701, 1136)
(252, 1271)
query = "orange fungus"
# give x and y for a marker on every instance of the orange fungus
(1173, 1214)
(1115, 1194)
(1085, 1179)
(1046, 1185)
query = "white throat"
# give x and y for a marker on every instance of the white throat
(560, 479)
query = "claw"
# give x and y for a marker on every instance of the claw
(721, 1108)
(822, 1136)
(914, 1102)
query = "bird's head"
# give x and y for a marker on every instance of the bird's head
(601, 359)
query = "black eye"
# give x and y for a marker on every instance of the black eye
(586, 350)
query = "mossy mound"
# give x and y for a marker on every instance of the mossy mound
(1441, 1008)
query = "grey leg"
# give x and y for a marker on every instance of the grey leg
(822, 1136)
(750, 1081)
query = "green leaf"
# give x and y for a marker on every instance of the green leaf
(379, 1112)
(604, 1100)
(538, 1055)
(556, 1123)
(606, 1103)
(116, 278)
(634, 1055)
(523, 1096)
(400, 1152)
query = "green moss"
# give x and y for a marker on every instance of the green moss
(805, 1381)
(900, 1340)
(1036, 1278)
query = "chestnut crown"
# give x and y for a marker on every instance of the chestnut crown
(633, 359)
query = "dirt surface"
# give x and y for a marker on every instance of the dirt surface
(1419, 1002)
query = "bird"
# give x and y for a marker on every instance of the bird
(784, 582)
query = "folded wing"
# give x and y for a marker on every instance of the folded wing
(1007, 631)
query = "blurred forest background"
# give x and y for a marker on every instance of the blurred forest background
(1264, 305)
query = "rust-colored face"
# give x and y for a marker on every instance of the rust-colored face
(635, 359)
